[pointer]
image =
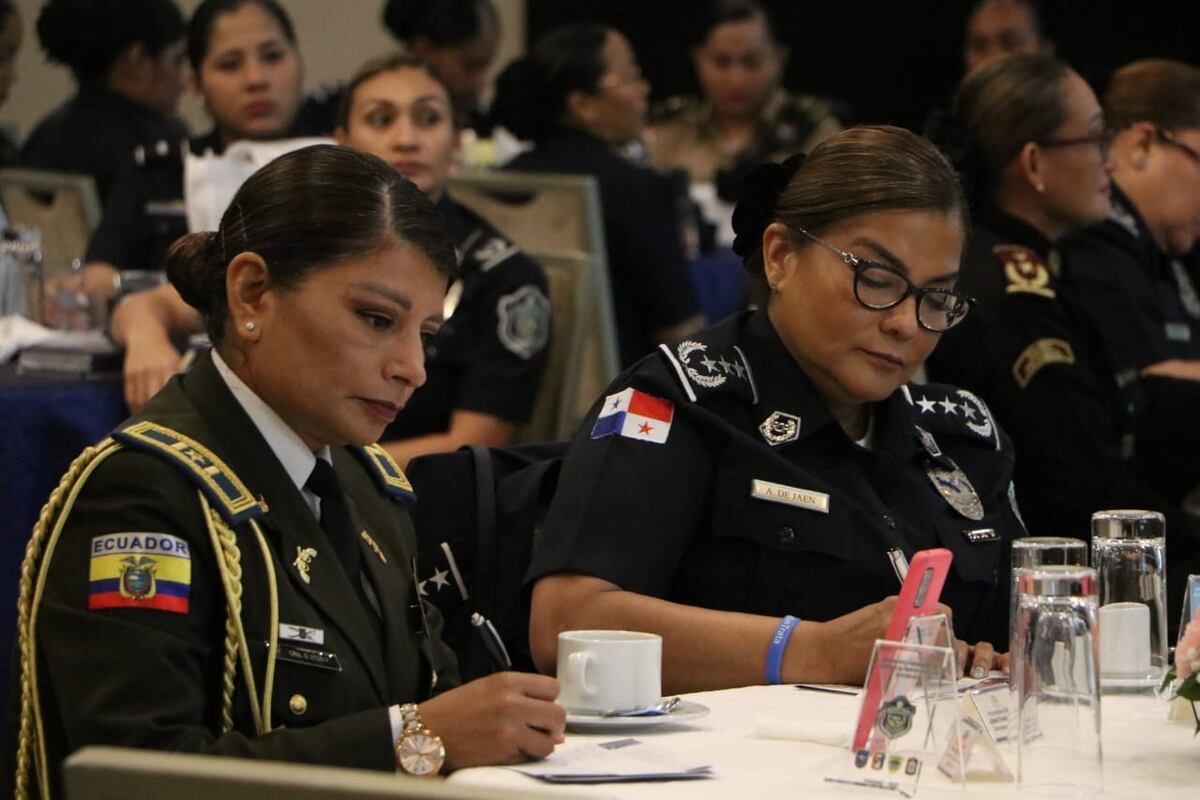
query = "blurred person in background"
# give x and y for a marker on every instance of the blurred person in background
(579, 96)
(127, 58)
(998, 28)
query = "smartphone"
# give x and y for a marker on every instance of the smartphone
(918, 598)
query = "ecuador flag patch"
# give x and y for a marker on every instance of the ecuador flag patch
(140, 570)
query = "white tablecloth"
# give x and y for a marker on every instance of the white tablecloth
(1145, 755)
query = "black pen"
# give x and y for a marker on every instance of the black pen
(828, 689)
(492, 643)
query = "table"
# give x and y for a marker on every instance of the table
(1145, 755)
(45, 422)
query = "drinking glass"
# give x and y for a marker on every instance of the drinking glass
(1056, 680)
(1041, 551)
(1129, 554)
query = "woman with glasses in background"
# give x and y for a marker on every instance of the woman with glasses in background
(1032, 138)
(779, 463)
(1131, 267)
(1154, 107)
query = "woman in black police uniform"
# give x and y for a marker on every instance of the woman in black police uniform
(768, 465)
(127, 59)
(1031, 137)
(325, 278)
(248, 71)
(579, 96)
(486, 362)
(1154, 108)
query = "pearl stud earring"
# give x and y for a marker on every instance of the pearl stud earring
(250, 326)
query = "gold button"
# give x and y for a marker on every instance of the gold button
(298, 704)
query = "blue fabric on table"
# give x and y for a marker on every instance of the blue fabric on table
(44, 425)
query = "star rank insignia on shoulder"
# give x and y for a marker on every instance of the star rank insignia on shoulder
(941, 409)
(704, 369)
(1024, 270)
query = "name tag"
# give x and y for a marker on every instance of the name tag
(299, 633)
(982, 535)
(790, 495)
(1179, 332)
(309, 657)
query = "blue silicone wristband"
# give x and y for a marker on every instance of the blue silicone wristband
(778, 644)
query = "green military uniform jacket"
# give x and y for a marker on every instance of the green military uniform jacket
(148, 673)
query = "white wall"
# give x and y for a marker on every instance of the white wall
(335, 37)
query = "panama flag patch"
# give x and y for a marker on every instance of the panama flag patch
(634, 415)
(140, 570)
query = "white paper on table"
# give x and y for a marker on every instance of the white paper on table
(612, 761)
(210, 181)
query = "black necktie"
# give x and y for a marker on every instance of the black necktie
(336, 520)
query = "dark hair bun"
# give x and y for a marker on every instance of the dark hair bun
(444, 22)
(521, 105)
(67, 30)
(195, 269)
(403, 17)
(760, 194)
(88, 35)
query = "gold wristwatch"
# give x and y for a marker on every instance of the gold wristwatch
(419, 751)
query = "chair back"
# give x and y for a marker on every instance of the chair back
(556, 219)
(63, 206)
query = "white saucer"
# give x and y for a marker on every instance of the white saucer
(684, 712)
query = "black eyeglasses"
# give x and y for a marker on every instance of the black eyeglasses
(1102, 140)
(880, 287)
(1166, 137)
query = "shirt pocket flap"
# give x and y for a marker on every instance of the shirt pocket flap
(781, 516)
(978, 547)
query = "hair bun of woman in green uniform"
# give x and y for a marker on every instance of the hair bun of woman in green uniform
(232, 571)
(774, 464)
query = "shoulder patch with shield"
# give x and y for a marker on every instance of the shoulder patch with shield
(524, 321)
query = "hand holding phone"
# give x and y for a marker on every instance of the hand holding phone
(918, 597)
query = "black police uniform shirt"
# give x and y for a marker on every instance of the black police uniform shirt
(95, 133)
(713, 475)
(490, 353)
(146, 213)
(651, 287)
(1075, 409)
(1118, 259)
(146, 672)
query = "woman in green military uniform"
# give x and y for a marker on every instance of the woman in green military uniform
(745, 116)
(231, 571)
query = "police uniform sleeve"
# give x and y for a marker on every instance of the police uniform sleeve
(507, 353)
(1062, 412)
(121, 238)
(629, 501)
(1118, 304)
(149, 676)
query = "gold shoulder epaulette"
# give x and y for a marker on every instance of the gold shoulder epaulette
(199, 465)
(387, 473)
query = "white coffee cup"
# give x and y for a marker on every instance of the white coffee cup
(1125, 640)
(601, 671)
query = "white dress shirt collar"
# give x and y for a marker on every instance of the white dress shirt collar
(295, 456)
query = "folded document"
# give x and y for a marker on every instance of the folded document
(615, 761)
